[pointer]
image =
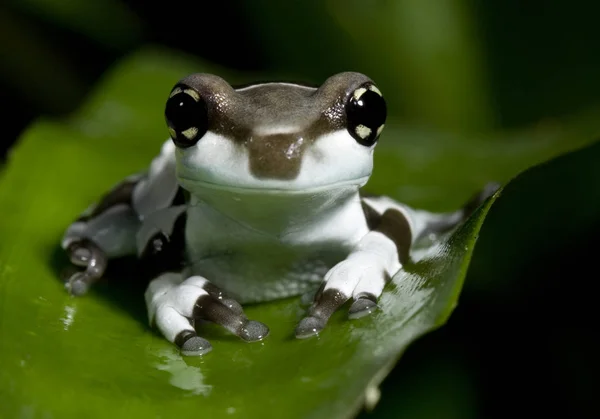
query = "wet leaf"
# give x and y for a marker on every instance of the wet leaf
(95, 356)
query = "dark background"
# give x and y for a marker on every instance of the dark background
(506, 351)
(542, 58)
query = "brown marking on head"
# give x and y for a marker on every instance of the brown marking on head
(275, 122)
(276, 156)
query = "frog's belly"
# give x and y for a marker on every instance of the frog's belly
(265, 277)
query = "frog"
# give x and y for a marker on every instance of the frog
(255, 196)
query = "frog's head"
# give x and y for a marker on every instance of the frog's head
(275, 138)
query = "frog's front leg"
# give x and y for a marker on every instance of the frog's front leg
(378, 256)
(175, 304)
(111, 228)
(106, 230)
(361, 276)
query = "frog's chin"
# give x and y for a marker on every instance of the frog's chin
(202, 186)
(273, 210)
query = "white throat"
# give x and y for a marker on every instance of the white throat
(279, 215)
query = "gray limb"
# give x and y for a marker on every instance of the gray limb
(175, 306)
(109, 229)
(87, 254)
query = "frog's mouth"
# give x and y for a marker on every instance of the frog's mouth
(199, 185)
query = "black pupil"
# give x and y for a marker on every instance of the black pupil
(183, 112)
(369, 110)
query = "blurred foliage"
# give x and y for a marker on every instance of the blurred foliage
(109, 23)
(422, 53)
(477, 90)
(450, 65)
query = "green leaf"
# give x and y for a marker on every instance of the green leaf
(537, 247)
(95, 356)
(567, 191)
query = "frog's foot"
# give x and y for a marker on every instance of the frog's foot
(85, 253)
(361, 278)
(174, 306)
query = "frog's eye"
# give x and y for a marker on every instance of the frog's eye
(366, 112)
(187, 116)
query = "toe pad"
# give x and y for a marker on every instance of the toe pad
(253, 331)
(309, 326)
(195, 346)
(362, 307)
(77, 284)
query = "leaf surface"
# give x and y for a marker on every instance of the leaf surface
(95, 356)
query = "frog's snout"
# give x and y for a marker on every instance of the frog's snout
(276, 156)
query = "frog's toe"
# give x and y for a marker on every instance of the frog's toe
(79, 255)
(179, 304)
(216, 293)
(211, 309)
(309, 326)
(85, 253)
(327, 301)
(78, 284)
(179, 330)
(363, 306)
(192, 345)
(233, 306)
(254, 331)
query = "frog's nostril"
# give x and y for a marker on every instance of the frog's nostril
(276, 156)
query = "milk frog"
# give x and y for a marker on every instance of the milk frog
(256, 196)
